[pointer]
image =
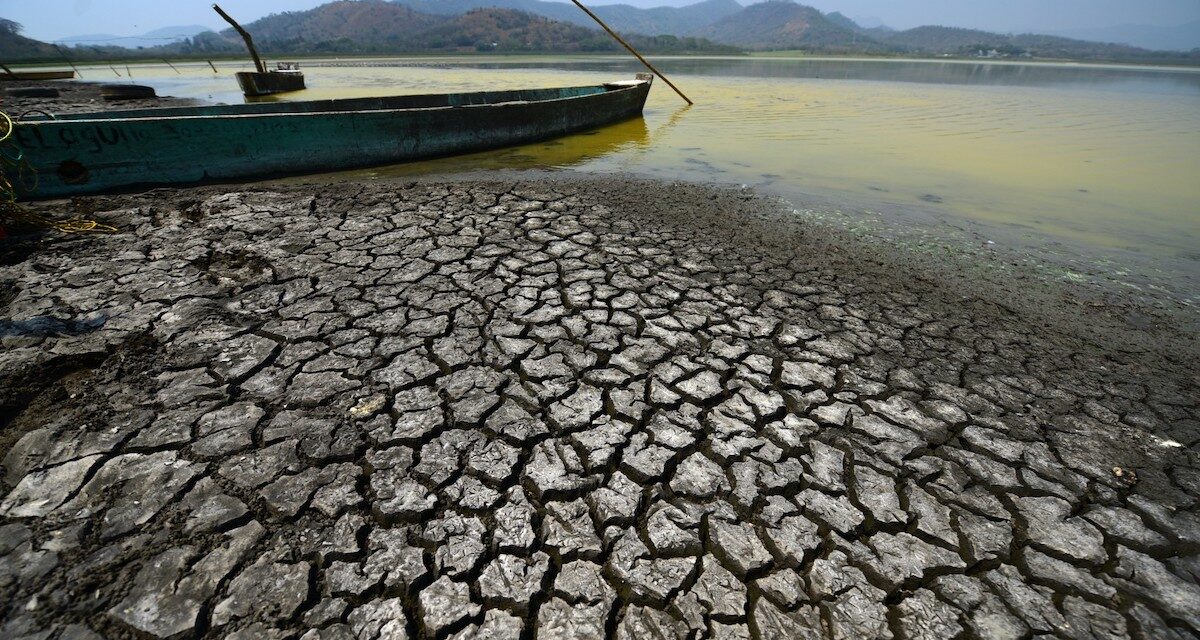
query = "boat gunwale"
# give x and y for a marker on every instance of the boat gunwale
(42, 120)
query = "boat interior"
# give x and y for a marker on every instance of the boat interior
(388, 103)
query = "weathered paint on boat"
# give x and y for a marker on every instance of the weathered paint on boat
(264, 84)
(37, 75)
(92, 153)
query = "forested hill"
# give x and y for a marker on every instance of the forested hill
(787, 25)
(371, 23)
(377, 27)
(952, 41)
(676, 21)
(14, 46)
(380, 27)
(784, 24)
(385, 27)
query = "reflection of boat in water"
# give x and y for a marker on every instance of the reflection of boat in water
(579, 148)
(90, 153)
(671, 122)
(631, 137)
(559, 153)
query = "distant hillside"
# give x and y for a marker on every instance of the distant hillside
(779, 24)
(157, 37)
(871, 22)
(508, 30)
(784, 24)
(1041, 46)
(942, 39)
(676, 21)
(378, 27)
(374, 27)
(842, 21)
(14, 46)
(953, 41)
(1184, 37)
(365, 23)
(553, 10)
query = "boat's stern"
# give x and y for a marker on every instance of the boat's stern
(254, 83)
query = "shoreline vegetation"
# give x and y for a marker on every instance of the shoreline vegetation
(1181, 62)
(795, 54)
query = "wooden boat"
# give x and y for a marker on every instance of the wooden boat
(96, 152)
(35, 76)
(286, 77)
(261, 82)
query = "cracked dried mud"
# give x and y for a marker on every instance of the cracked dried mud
(572, 408)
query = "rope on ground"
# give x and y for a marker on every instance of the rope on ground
(13, 163)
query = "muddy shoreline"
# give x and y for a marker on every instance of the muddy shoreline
(594, 407)
(571, 406)
(77, 96)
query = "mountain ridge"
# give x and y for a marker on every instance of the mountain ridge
(14, 46)
(786, 24)
(781, 24)
(711, 26)
(153, 38)
(378, 27)
(1183, 37)
(676, 21)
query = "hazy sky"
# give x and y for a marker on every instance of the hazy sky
(54, 19)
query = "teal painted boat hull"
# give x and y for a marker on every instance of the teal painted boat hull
(115, 151)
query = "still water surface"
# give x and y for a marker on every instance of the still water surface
(1104, 159)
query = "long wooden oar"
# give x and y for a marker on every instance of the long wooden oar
(258, 63)
(631, 50)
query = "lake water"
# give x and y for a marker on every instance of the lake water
(1098, 164)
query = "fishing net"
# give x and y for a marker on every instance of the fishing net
(15, 170)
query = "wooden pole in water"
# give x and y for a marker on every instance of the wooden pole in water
(258, 63)
(631, 50)
(214, 67)
(172, 66)
(114, 70)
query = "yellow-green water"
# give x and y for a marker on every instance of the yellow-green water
(1099, 156)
